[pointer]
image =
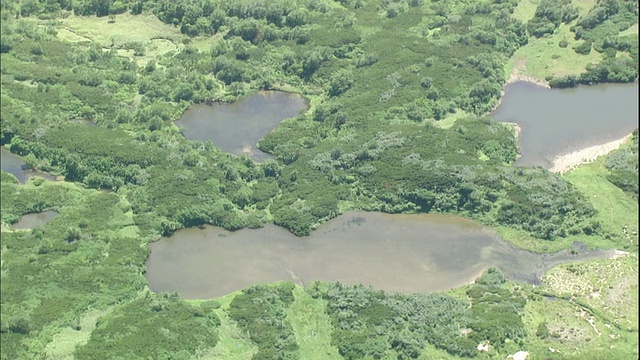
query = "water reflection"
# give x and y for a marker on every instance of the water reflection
(237, 127)
(407, 253)
(560, 121)
(13, 164)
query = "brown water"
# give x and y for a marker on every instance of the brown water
(237, 127)
(13, 164)
(407, 253)
(34, 220)
(560, 121)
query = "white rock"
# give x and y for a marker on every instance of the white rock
(520, 355)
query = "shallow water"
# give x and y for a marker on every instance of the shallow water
(30, 221)
(407, 253)
(237, 127)
(13, 164)
(559, 121)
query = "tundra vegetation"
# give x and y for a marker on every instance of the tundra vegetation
(382, 77)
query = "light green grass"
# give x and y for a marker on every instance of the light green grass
(70, 36)
(232, 343)
(127, 28)
(204, 43)
(572, 333)
(65, 342)
(583, 6)
(524, 240)
(312, 327)
(131, 232)
(615, 208)
(633, 30)
(610, 285)
(158, 38)
(430, 352)
(543, 57)
(449, 120)
(525, 10)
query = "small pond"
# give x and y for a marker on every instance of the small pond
(560, 121)
(237, 127)
(34, 220)
(13, 164)
(407, 253)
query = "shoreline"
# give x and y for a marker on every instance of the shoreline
(517, 76)
(570, 161)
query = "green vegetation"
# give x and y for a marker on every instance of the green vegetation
(160, 326)
(372, 102)
(623, 167)
(398, 89)
(89, 258)
(578, 27)
(261, 312)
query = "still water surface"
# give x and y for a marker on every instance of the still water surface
(560, 121)
(237, 127)
(30, 221)
(13, 164)
(407, 253)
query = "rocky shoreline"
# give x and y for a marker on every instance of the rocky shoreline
(568, 162)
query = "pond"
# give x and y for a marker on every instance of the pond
(556, 122)
(237, 127)
(30, 221)
(13, 164)
(406, 253)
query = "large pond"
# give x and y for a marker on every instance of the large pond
(407, 253)
(13, 164)
(560, 121)
(237, 127)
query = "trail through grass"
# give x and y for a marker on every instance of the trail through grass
(312, 327)
(232, 343)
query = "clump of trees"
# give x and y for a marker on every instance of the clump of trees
(616, 70)
(549, 15)
(260, 311)
(623, 167)
(373, 323)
